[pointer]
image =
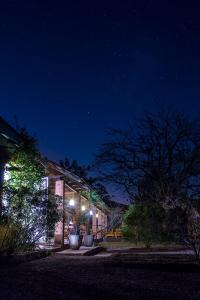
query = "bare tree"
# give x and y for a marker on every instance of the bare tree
(159, 160)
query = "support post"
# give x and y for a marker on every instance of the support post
(63, 217)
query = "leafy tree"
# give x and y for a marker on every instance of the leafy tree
(27, 206)
(24, 175)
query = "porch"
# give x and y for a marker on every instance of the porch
(75, 207)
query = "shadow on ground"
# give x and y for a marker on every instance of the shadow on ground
(59, 277)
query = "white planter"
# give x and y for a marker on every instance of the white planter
(88, 240)
(75, 241)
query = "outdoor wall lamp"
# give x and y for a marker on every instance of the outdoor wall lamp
(71, 202)
(91, 213)
(97, 215)
(83, 208)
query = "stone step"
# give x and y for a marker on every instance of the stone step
(83, 251)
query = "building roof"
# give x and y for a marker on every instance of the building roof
(71, 179)
(9, 137)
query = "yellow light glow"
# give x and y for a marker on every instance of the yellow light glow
(97, 215)
(83, 208)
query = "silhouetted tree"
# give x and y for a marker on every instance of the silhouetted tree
(74, 167)
(159, 161)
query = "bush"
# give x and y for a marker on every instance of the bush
(144, 223)
(5, 237)
(127, 231)
(15, 238)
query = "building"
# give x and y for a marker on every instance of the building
(59, 182)
(71, 189)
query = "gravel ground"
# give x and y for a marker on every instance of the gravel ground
(60, 277)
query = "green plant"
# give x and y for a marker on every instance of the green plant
(144, 222)
(94, 198)
(28, 211)
(16, 238)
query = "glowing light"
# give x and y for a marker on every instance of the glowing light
(83, 208)
(6, 174)
(71, 202)
(97, 215)
(91, 213)
(70, 224)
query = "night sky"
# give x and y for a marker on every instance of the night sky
(71, 69)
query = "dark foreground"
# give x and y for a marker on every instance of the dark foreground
(60, 277)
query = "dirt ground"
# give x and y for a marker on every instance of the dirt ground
(60, 277)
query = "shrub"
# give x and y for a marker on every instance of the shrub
(15, 238)
(5, 236)
(144, 222)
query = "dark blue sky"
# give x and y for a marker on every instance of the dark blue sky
(70, 69)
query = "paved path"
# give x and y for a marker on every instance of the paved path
(176, 252)
(61, 277)
(81, 251)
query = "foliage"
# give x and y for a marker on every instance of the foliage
(25, 167)
(144, 223)
(5, 236)
(102, 191)
(53, 214)
(28, 212)
(174, 223)
(79, 219)
(16, 238)
(156, 162)
(74, 167)
(94, 198)
(130, 233)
